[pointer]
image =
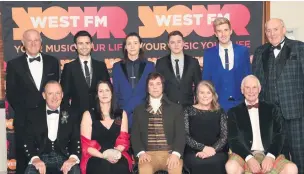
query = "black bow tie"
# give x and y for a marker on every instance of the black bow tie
(52, 112)
(33, 59)
(279, 47)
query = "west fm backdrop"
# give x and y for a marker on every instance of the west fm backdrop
(110, 22)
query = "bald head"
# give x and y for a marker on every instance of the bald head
(275, 31)
(32, 42)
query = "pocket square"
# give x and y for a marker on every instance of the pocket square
(50, 74)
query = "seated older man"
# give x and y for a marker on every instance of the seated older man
(255, 135)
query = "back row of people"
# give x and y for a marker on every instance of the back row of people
(27, 75)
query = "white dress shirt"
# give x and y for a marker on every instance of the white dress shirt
(257, 144)
(180, 64)
(89, 66)
(230, 55)
(36, 69)
(52, 125)
(277, 51)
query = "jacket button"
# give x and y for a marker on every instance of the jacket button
(250, 142)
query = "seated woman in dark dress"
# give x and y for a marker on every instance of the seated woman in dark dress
(206, 133)
(103, 129)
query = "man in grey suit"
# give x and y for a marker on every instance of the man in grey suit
(279, 65)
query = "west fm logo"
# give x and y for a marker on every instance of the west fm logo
(56, 22)
(158, 19)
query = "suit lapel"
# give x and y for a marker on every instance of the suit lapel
(79, 73)
(171, 71)
(284, 55)
(236, 60)
(27, 71)
(124, 69)
(265, 59)
(93, 69)
(186, 65)
(262, 120)
(141, 69)
(45, 70)
(246, 120)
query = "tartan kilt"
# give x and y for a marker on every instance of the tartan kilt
(278, 166)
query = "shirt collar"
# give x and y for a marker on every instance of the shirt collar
(230, 47)
(28, 56)
(89, 60)
(247, 103)
(181, 58)
(47, 108)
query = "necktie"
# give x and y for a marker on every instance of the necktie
(226, 59)
(253, 106)
(52, 112)
(177, 69)
(87, 73)
(35, 58)
(133, 75)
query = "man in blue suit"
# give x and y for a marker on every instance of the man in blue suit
(225, 65)
(129, 76)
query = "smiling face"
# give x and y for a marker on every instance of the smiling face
(104, 93)
(84, 45)
(251, 89)
(53, 95)
(204, 96)
(223, 33)
(133, 46)
(275, 31)
(32, 42)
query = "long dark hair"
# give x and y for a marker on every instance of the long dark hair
(98, 113)
(125, 52)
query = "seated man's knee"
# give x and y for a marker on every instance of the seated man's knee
(145, 168)
(290, 168)
(233, 167)
(31, 169)
(75, 169)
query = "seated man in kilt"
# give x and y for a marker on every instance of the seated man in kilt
(255, 135)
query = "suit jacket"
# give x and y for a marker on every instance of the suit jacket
(21, 91)
(213, 70)
(290, 76)
(128, 98)
(36, 133)
(75, 88)
(173, 122)
(181, 92)
(240, 130)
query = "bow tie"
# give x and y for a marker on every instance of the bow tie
(253, 106)
(52, 112)
(279, 47)
(33, 59)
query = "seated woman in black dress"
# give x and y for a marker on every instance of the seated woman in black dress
(206, 133)
(102, 129)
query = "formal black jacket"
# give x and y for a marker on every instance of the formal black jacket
(75, 87)
(181, 92)
(240, 130)
(21, 91)
(173, 122)
(36, 133)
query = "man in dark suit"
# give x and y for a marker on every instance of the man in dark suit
(26, 76)
(52, 138)
(226, 64)
(158, 133)
(279, 65)
(80, 77)
(182, 72)
(255, 135)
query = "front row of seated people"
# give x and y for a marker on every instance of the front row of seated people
(164, 135)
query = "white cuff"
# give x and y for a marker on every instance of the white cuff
(139, 153)
(248, 157)
(76, 158)
(270, 155)
(177, 154)
(32, 159)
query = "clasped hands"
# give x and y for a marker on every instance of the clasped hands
(206, 152)
(113, 159)
(172, 161)
(66, 167)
